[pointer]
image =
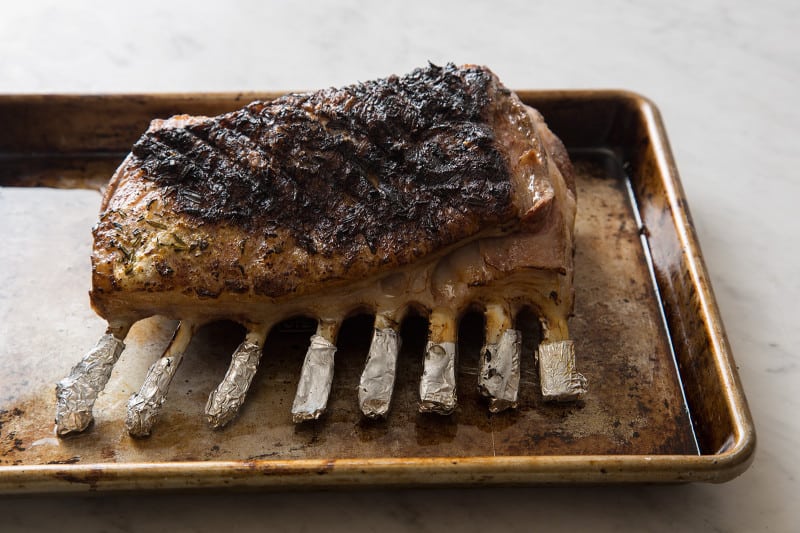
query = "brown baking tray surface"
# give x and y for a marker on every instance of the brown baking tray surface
(664, 401)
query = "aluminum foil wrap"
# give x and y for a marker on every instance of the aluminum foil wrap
(144, 407)
(437, 387)
(315, 380)
(225, 401)
(377, 381)
(76, 394)
(500, 374)
(557, 374)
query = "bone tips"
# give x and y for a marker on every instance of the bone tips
(438, 383)
(76, 394)
(498, 377)
(376, 384)
(500, 371)
(225, 401)
(144, 407)
(437, 386)
(316, 378)
(560, 381)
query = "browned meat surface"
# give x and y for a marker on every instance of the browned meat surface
(290, 197)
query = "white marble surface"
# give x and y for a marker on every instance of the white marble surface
(725, 76)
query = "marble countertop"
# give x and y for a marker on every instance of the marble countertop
(723, 75)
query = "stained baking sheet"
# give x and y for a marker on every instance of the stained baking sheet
(636, 343)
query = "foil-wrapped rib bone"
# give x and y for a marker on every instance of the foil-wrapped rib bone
(559, 378)
(144, 407)
(224, 402)
(77, 393)
(377, 381)
(500, 371)
(500, 359)
(437, 387)
(316, 378)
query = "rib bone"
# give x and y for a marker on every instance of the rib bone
(559, 379)
(437, 387)
(316, 376)
(377, 381)
(76, 394)
(224, 402)
(144, 407)
(500, 359)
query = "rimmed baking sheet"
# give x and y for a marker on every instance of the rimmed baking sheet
(647, 334)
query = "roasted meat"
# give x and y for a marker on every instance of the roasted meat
(437, 191)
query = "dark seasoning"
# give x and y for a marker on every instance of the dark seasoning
(377, 163)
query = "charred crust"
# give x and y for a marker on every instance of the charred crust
(163, 268)
(202, 292)
(269, 286)
(377, 164)
(236, 286)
